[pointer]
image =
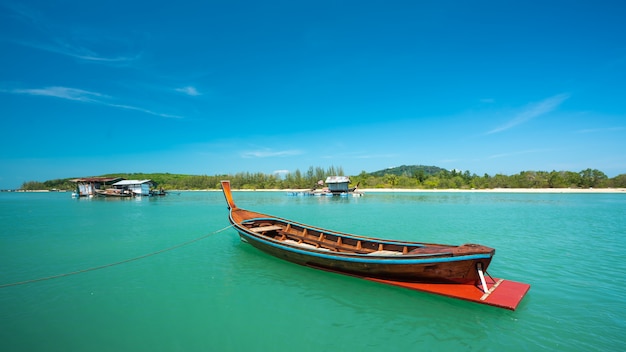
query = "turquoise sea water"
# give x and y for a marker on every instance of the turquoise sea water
(220, 294)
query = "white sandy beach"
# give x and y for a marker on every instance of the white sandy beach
(491, 190)
(415, 190)
(503, 190)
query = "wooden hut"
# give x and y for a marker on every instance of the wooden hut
(87, 187)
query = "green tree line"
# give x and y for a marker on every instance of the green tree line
(415, 177)
(588, 178)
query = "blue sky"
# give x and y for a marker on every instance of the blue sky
(214, 87)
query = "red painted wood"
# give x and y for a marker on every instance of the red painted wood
(507, 294)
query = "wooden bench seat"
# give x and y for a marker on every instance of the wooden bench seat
(266, 228)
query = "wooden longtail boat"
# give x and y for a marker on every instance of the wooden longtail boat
(401, 261)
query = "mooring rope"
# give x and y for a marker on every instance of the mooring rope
(116, 263)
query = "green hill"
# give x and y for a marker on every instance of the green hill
(408, 170)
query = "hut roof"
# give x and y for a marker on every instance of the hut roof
(132, 182)
(98, 179)
(337, 179)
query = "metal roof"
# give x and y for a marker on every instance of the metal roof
(337, 179)
(97, 179)
(132, 182)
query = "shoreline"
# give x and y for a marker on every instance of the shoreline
(404, 190)
(490, 190)
(500, 190)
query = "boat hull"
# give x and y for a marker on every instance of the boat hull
(440, 269)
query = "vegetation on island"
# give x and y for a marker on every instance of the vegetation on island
(410, 177)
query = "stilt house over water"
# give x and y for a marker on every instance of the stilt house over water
(338, 184)
(137, 187)
(86, 187)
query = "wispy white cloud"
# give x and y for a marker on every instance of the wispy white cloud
(84, 96)
(22, 12)
(600, 130)
(77, 52)
(134, 108)
(266, 153)
(189, 90)
(62, 92)
(51, 38)
(532, 111)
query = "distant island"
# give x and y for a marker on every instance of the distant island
(405, 177)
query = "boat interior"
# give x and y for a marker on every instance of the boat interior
(317, 239)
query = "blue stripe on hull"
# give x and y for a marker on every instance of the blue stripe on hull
(360, 258)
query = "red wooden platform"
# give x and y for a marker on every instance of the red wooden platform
(501, 293)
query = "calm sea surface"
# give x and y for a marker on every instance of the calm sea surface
(219, 294)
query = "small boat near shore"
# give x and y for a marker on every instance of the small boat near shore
(449, 270)
(336, 186)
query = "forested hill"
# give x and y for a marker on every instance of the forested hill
(408, 170)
